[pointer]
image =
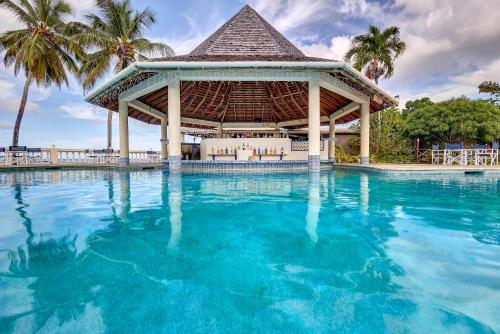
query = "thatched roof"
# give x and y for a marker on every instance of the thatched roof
(247, 36)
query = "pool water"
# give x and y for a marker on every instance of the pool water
(152, 252)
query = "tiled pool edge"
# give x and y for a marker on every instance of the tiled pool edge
(202, 165)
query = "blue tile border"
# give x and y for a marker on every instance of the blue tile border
(202, 165)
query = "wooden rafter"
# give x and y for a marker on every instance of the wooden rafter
(224, 98)
(295, 102)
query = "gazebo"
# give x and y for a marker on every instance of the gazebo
(246, 74)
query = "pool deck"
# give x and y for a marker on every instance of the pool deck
(418, 168)
(384, 168)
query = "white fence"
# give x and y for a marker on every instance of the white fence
(60, 156)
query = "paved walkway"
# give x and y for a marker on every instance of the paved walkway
(418, 167)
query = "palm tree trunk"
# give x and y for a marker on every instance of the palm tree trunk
(20, 113)
(110, 128)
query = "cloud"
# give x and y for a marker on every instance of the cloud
(10, 98)
(335, 50)
(449, 49)
(5, 125)
(84, 111)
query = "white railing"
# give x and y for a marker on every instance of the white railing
(64, 156)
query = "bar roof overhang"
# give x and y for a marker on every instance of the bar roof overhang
(140, 71)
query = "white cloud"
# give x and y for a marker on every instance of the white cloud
(84, 111)
(10, 98)
(5, 125)
(336, 50)
(452, 45)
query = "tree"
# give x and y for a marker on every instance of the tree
(114, 38)
(393, 146)
(411, 106)
(492, 88)
(376, 51)
(454, 120)
(41, 49)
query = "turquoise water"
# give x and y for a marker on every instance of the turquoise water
(149, 252)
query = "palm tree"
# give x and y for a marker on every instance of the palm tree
(115, 38)
(41, 48)
(376, 51)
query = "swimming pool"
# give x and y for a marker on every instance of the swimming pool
(147, 251)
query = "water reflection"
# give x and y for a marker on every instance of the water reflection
(243, 264)
(313, 206)
(45, 260)
(364, 194)
(174, 203)
(124, 195)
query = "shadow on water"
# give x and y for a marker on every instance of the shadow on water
(232, 253)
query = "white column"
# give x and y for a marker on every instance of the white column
(331, 141)
(365, 133)
(314, 125)
(164, 138)
(124, 145)
(174, 124)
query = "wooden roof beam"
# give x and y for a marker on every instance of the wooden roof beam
(277, 104)
(297, 105)
(203, 99)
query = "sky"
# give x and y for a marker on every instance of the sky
(452, 46)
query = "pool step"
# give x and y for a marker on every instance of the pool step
(474, 172)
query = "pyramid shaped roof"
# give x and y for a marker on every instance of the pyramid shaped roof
(246, 36)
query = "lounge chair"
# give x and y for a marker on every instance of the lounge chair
(480, 154)
(454, 153)
(152, 156)
(108, 156)
(34, 155)
(437, 155)
(494, 158)
(17, 155)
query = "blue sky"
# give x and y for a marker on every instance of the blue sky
(453, 45)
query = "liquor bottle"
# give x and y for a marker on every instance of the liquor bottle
(212, 150)
(282, 150)
(265, 150)
(254, 151)
(259, 150)
(226, 151)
